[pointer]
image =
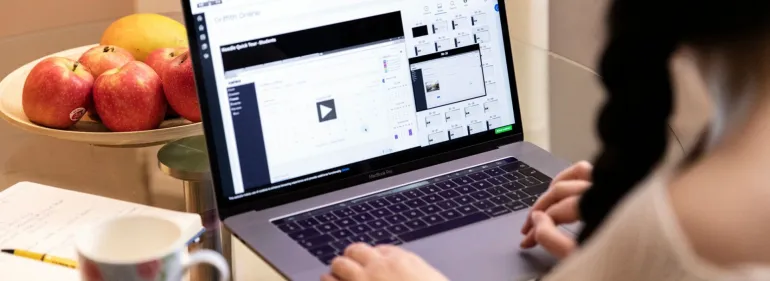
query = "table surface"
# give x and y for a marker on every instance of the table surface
(247, 266)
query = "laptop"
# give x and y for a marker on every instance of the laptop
(377, 121)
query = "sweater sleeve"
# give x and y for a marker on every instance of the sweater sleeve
(642, 241)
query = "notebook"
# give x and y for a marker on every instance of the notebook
(46, 219)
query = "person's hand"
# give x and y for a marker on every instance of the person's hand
(559, 205)
(362, 262)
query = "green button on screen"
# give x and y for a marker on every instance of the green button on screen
(504, 129)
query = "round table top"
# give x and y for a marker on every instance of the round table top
(185, 159)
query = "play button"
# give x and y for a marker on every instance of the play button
(326, 111)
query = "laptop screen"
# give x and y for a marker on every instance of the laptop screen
(306, 91)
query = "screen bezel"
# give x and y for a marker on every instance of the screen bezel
(393, 164)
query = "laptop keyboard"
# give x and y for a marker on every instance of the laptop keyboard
(419, 210)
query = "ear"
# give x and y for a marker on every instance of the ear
(694, 104)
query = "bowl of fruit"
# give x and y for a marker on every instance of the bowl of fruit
(135, 88)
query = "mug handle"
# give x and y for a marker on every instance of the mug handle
(210, 257)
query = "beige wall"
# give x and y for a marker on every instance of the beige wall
(576, 35)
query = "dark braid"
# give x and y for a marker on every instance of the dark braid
(633, 124)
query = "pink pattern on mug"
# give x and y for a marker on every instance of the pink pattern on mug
(149, 270)
(91, 271)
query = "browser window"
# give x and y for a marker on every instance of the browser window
(308, 87)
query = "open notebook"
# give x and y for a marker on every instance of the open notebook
(46, 219)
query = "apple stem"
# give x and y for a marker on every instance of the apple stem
(108, 49)
(75, 66)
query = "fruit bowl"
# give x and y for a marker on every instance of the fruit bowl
(86, 130)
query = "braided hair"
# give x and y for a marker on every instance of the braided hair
(633, 123)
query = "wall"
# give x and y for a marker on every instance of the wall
(576, 39)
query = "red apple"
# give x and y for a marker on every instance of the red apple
(179, 86)
(130, 98)
(102, 58)
(57, 92)
(162, 57)
(159, 60)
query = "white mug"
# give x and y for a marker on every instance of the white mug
(140, 248)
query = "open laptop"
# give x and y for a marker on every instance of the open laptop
(379, 121)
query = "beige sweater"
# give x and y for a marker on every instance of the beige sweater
(643, 241)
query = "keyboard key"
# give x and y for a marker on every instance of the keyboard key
(380, 234)
(516, 206)
(514, 167)
(316, 241)
(341, 233)
(535, 174)
(343, 223)
(494, 172)
(361, 218)
(516, 195)
(341, 244)
(513, 186)
(498, 180)
(359, 229)
(451, 214)
(344, 213)
(465, 189)
(467, 210)
(515, 176)
(413, 214)
(362, 208)
(416, 224)
(325, 218)
(416, 203)
(528, 181)
(500, 200)
(388, 241)
(327, 227)
(481, 195)
(442, 227)
(327, 260)
(462, 180)
(449, 194)
(481, 185)
(464, 200)
(379, 203)
(362, 238)
(536, 190)
(497, 190)
(497, 211)
(378, 224)
(431, 189)
(530, 201)
(397, 208)
(433, 198)
(381, 213)
(430, 209)
(483, 204)
(433, 219)
(308, 223)
(395, 219)
(323, 250)
(446, 185)
(447, 204)
(289, 227)
(395, 199)
(413, 193)
(398, 229)
(478, 176)
(304, 234)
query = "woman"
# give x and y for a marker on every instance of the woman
(707, 219)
